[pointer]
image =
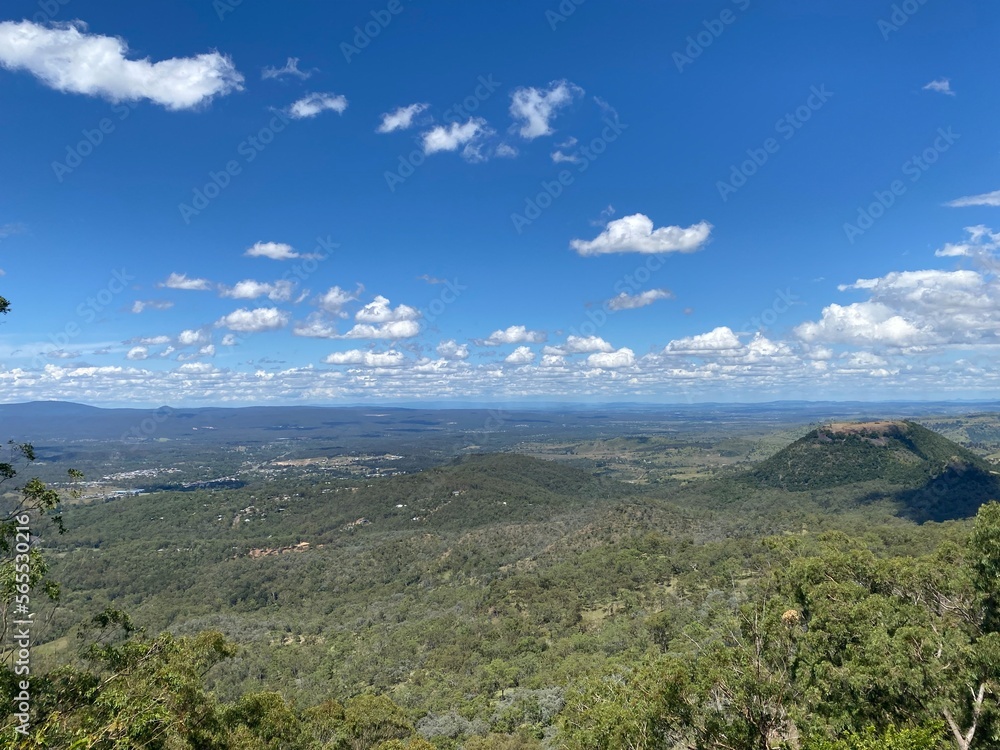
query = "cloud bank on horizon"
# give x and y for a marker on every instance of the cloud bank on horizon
(377, 253)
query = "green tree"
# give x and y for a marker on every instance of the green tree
(372, 719)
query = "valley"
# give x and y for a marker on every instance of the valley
(482, 591)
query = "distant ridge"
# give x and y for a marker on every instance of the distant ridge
(933, 477)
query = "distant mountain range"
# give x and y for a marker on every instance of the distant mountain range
(45, 420)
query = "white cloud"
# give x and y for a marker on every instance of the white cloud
(983, 199)
(506, 151)
(312, 104)
(9, 230)
(230, 339)
(580, 345)
(761, 348)
(612, 360)
(138, 352)
(718, 340)
(141, 305)
(954, 250)
(533, 109)
(390, 358)
(452, 137)
(279, 291)
(67, 58)
(380, 310)
(635, 234)
(861, 323)
(181, 281)
(272, 250)
(397, 329)
(400, 119)
(315, 327)
(193, 337)
(513, 335)
(334, 299)
(254, 321)
(451, 349)
(626, 301)
(941, 86)
(559, 157)
(520, 356)
(290, 68)
(151, 341)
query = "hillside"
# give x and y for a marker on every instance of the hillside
(932, 477)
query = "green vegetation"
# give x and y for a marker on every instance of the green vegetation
(502, 602)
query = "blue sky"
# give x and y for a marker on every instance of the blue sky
(250, 202)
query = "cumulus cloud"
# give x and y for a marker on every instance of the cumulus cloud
(315, 327)
(67, 58)
(456, 135)
(635, 234)
(533, 109)
(290, 68)
(451, 349)
(506, 151)
(279, 291)
(580, 345)
(254, 321)
(312, 104)
(181, 281)
(137, 353)
(141, 305)
(861, 323)
(390, 358)
(334, 299)
(919, 308)
(558, 157)
(193, 337)
(520, 356)
(983, 199)
(612, 360)
(400, 119)
(272, 250)
(397, 329)
(513, 335)
(718, 340)
(941, 86)
(626, 301)
(981, 244)
(380, 310)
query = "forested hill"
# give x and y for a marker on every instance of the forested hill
(933, 477)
